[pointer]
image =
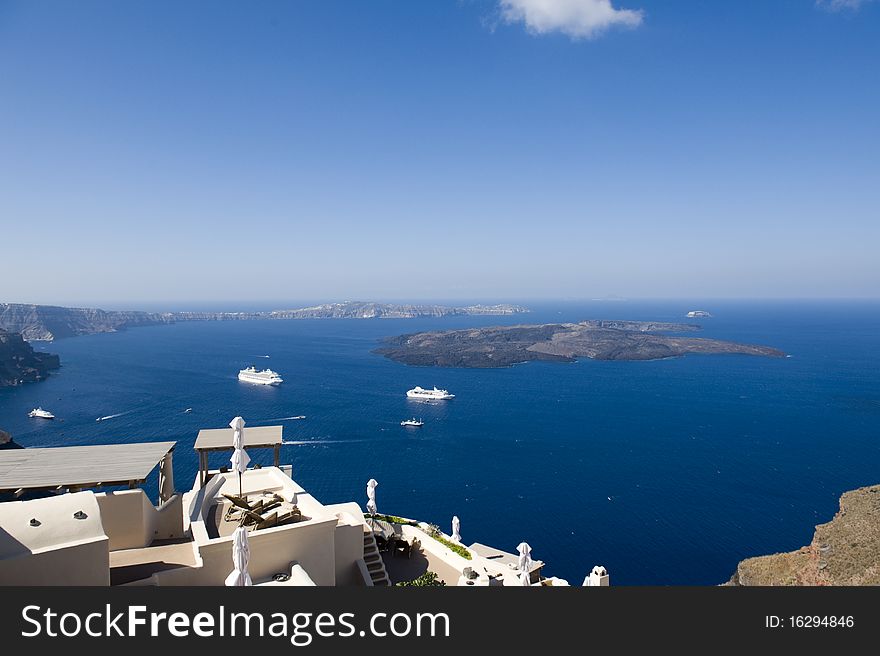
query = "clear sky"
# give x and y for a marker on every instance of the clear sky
(480, 149)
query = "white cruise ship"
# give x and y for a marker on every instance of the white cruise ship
(429, 395)
(39, 413)
(264, 377)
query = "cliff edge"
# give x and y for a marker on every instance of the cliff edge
(845, 551)
(19, 363)
(49, 322)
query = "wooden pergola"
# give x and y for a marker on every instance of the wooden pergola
(220, 439)
(84, 467)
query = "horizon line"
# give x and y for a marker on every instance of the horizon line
(277, 304)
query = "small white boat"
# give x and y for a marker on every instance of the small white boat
(187, 411)
(39, 413)
(412, 422)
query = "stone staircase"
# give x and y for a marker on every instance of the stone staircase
(373, 560)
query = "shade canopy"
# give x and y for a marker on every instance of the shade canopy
(222, 439)
(77, 467)
(255, 437)
(456, 529)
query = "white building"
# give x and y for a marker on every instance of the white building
(77, 536)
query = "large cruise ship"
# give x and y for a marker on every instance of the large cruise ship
(264, 377)
(429, 395)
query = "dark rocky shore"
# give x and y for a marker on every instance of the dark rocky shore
(19, 363)
(502, 346)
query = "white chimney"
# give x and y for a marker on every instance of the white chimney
(598, 577)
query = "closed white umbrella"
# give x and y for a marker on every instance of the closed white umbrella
(241, 554)
(166, 478)
(525, 562)
(240, 458)
(371, 496)
(456, 529)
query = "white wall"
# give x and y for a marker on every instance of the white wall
(271, 551)
(61, 549)
(444, 562)
(85, 563)
(348, 542)
(168, 518)
(327, 545)
(131, 521)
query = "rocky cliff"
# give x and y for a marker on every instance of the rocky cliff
(361, 310)
(845, 551)
(19, 363)
(47, 322)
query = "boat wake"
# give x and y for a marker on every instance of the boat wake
(113, 416)
(269, 421)
(307, 442)
(139, 408)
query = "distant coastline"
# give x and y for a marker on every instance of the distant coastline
(49, 322)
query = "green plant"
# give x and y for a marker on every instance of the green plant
(392, 519)
(453, 546)
(426, 580)
(434, 531)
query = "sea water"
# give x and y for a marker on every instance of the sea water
(665, 472)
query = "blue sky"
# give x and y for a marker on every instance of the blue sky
(183, 151)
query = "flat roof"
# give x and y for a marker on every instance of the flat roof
(501, 557)
(57, 526)
(255, 437)
(79, 466)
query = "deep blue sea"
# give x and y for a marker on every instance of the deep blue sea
(666, 472)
